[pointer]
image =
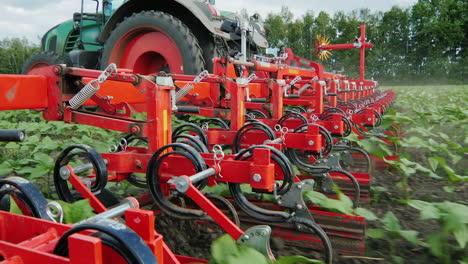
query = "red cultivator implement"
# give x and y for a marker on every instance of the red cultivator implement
(270, 114)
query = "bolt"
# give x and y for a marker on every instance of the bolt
(311, 143)
(246, 237)
(280, 202)
(299, 186)
(369, 119)
(56, 70)
(228, 96)
(138, 164)
(299, 206)
(335, 127)
(135, 129)
(64, 173)
(257, 177)
(195, 95)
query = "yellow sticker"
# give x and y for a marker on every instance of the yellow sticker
(291, 71)
(165, 127)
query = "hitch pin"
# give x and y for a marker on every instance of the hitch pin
(218, 156)
(55, 212)
(282, 138)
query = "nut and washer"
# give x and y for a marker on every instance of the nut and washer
(257, 177)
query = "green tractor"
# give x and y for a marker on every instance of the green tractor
(149, 36)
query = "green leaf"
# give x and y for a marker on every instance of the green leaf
(296, 259)
(5, 168)
(370, 216)
(314, 197)
(449, 189)
(427, 210)
(337, 206)
(44, 159)
(390, 222)
(343, 198)
(461, 235)
(436, 244)
(375, 233)
(76, 211)
(411, 236)
(226, 250)
(247, 255)
(14, 207)
(222, 247)
(34, 172)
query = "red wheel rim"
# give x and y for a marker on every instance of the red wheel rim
(147, 51)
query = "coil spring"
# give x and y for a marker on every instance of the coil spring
(84, 94)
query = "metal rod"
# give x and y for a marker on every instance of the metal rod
(243, 63)
(202, 175)
(114, 212)
(244, 28)
(274, 141)
(84, 167)
(65, 173)
(303, 88)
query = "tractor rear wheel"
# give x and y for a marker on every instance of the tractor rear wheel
(151, 41)
(42, 59)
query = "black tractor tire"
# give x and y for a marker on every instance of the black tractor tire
(187, 43)
(43, 59)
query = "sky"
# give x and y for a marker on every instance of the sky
(32, 18)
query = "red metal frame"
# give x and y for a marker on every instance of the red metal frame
(36, 239)
(220, 95)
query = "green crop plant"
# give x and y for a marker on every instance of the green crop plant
(453, 221)
(225, 250)
(391, 231)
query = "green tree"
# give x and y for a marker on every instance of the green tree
(13, 53)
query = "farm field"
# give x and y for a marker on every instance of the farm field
(418, 212)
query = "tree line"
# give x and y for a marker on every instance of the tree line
(423, 44)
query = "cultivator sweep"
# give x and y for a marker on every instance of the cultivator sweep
(272, 127)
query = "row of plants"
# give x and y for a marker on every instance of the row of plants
(430, 176)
